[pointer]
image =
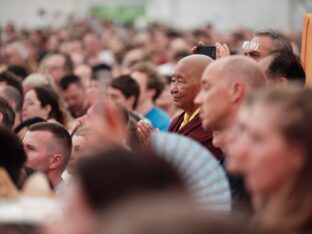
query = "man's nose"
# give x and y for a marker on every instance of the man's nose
(198, 98)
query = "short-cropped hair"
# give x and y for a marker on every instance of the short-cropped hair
(59, 133)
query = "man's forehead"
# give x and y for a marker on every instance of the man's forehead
(260, 42)
(112, 90)
(39, 138)
(185, 69)
(40, 134)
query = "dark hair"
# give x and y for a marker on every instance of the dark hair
(286, 64)
(27, 123)
(128, 86)
(12, 94)
(59, 133)
(8, 113)
(47, 96)
(154, 79)
(67, 80)
(102, 73)
(116, 174)
(12, 154)
(280, 42)
(18, 70)
(68, 64)
(10, 79)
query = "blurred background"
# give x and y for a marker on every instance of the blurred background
(285, 15)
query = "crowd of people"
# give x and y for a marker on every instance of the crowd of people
(80, 105)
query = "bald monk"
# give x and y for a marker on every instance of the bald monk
(184, 87)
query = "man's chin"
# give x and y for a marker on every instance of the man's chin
(205, 125)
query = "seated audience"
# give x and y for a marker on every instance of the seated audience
(184, 87)
(43, 103)
(48, 147)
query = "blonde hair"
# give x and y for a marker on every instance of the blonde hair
(38, 80)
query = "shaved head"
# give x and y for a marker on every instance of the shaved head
(242, 68)
(196, 64)
(185, 83)
(225, 83)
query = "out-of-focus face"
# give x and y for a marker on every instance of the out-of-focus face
(80, 148)
(32, 107)
(265, 47)
(90, 45)
(84, 72)
(117, 96)
(94, 92)
(165, 98)
(37, 148)
(184, 87)
(74, 96)
(54, 67)
(260, 153)
(213, 98)
(103, 119)
(141, 78)
(12, 56)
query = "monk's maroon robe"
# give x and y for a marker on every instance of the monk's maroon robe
(194, 130)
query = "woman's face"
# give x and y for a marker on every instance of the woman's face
(260, 152)
(32, 107)
(79, 149)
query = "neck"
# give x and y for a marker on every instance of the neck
(144, 107)
(273, 201)
(219, 139)
(55, 177)
(191, 109)
(226, 121)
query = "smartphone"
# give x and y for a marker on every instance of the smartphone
(209, 50)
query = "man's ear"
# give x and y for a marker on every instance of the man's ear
(237, 92)
(282, 81)
(56, 161)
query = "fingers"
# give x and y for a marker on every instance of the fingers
(194, 48)
(222, 50)
(144, 130)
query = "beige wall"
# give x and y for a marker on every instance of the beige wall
(23, 12)
(229, 14)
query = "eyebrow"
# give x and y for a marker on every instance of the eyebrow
(253, 53)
